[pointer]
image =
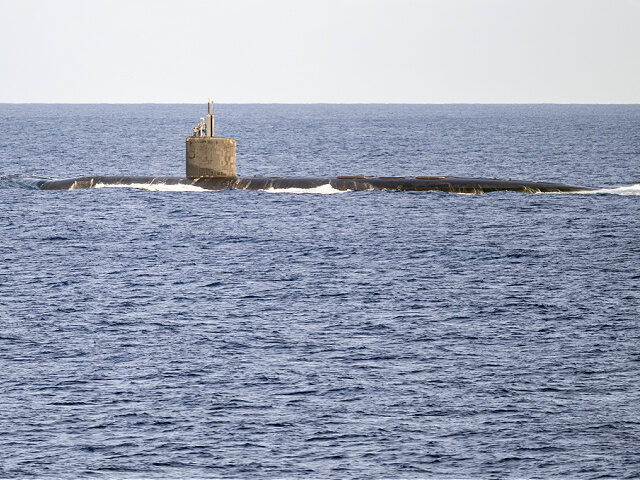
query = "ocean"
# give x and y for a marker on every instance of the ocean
(172, 333)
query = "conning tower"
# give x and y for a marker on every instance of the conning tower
(207, 155)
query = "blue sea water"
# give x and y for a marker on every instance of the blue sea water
(248, 334)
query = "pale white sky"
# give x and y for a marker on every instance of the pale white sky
(305, 51)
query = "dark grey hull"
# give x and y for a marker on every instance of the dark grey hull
(444, 184)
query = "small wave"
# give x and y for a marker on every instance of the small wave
(326, 189)
(21, 180)
(153, 187)
(624, 190)
(632, 190)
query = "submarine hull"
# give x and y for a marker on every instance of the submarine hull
(358, 183)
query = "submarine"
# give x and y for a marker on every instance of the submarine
(211, 165)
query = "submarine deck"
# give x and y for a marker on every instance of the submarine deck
(355, 182)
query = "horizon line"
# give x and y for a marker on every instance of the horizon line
(320, 103)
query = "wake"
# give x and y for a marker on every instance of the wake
(152, 187)
(163, 187)
(624, 190)
(327, 189)
(322, 190)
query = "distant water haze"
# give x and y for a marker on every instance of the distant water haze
(336, 51)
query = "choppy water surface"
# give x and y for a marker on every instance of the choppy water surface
(355, 335)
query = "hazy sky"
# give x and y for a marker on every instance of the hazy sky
(351, 51)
